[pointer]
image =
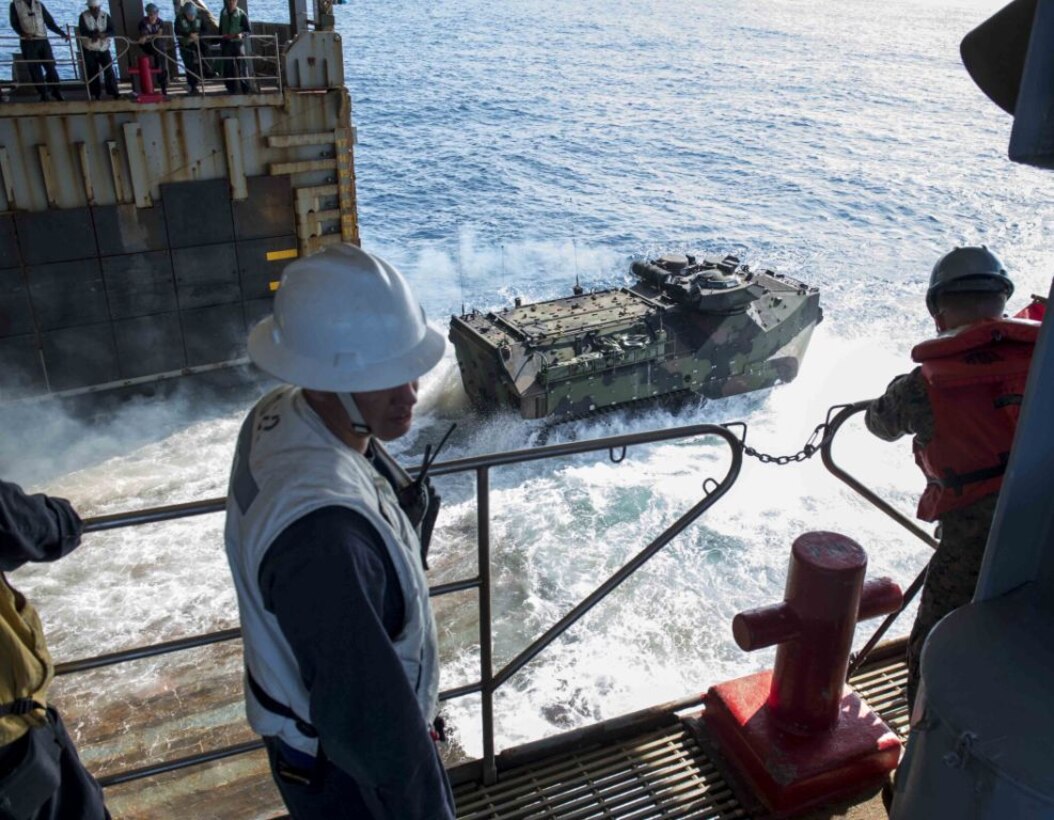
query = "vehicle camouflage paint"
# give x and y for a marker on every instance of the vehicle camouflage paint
(688, 326)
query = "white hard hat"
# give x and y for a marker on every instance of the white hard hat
(94, 4)
(345, 321)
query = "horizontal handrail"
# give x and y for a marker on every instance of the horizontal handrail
(149, 651)
(180, 763)
(172, 512)
(73, 64)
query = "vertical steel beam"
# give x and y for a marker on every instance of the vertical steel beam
(85, 160)
(120, 185)
(349, 228)
(8, 180)
(48, 172)
(298, 16)
(137, 164)
(486, 638)
(232, 138)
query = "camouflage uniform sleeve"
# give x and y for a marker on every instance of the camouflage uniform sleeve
(903, 409)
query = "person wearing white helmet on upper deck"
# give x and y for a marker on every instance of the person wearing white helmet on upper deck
(95, 32)
(340, 643)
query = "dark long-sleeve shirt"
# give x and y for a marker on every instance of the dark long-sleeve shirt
(49, 21)
(34, 527)
(330, 581)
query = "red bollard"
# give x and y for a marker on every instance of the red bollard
(146, 81)
(793, 733)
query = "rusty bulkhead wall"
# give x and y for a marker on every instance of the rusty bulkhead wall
(140, 241)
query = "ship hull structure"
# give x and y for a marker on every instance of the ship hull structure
(118, 293)
(140, 241)
(663, 338)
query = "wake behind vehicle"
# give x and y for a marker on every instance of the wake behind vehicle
(687, 326)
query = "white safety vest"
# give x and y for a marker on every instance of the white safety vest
(99, 24)
(31, 19)
(288, 464)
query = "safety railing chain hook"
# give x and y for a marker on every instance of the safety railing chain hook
(812, 446)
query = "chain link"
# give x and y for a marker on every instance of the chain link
(808, 451)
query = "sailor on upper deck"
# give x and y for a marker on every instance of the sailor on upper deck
(31, 22)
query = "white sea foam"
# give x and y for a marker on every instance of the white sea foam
(505, 149)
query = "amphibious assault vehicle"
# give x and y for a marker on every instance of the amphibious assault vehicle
(688, 325)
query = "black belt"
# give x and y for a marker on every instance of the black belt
(272, 705)
(20, 707)
(952, 480)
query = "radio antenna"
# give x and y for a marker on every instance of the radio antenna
(574, 251)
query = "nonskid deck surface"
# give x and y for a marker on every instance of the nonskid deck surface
(658, 771)
(663, 773)
(660, 774)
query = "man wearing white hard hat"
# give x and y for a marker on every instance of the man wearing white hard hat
(340, 645)
(95, 32)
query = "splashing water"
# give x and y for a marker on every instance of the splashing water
(502, 152)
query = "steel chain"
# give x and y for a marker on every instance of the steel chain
(808, 451)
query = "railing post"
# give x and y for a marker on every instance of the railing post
(486, 661)
(277, 63)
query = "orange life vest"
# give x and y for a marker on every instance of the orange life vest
(975, 381)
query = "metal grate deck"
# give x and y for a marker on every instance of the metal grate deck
(662, 773)
(882, 684)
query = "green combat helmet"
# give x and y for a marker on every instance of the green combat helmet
(967, 270)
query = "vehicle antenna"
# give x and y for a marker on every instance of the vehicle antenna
(577, 290)
(461, 277)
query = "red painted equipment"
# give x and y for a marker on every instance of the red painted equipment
(1034, 310)
(793, 734)
(146, 82)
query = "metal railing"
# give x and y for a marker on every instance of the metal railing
(67, 66)
(259, 66)
(836, 417)
(211, 61)
(489, 681)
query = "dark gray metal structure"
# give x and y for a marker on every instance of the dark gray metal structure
(140, 241)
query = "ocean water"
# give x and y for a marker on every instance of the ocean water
(504, 150)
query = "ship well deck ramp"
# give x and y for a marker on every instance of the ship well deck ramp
(163, 726)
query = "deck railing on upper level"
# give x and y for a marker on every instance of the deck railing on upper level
(260, 64)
